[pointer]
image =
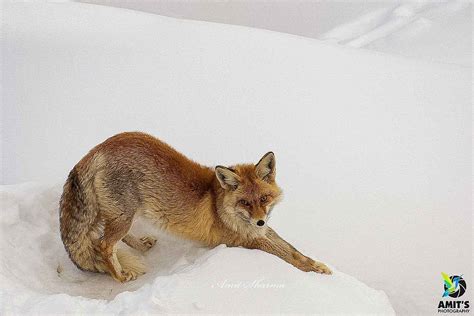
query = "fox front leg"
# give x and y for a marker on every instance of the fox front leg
(274, 244)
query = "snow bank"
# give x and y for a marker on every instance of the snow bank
(425, 29)
(37, 276)
(429, 30)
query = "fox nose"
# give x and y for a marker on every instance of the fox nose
(260, 223)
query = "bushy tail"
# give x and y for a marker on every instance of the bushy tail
(77, 216)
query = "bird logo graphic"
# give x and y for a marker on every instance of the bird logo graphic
(454, 286)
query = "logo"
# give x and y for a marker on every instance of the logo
(454, 286)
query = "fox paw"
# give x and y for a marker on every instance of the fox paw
(126, 276)
(307, 264)
(320, 267)
(148, 242)
(129, 276)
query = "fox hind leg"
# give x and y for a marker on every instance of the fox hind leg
(114, 231)
(143, 244)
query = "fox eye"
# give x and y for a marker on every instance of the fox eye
(264, 198)
(244, 202)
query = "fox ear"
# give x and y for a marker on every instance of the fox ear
(265, 168)
(227, 178)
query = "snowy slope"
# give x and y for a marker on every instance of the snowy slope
(373, 151)
(438, 31)
(38, 277)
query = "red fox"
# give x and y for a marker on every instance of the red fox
(132, 174)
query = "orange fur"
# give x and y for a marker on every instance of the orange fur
(133, 174)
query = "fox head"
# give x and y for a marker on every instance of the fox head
(250, 193)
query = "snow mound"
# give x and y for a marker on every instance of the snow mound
(37, 276)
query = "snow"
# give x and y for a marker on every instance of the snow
(438, 31)
(373, 151)
(38, 277)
